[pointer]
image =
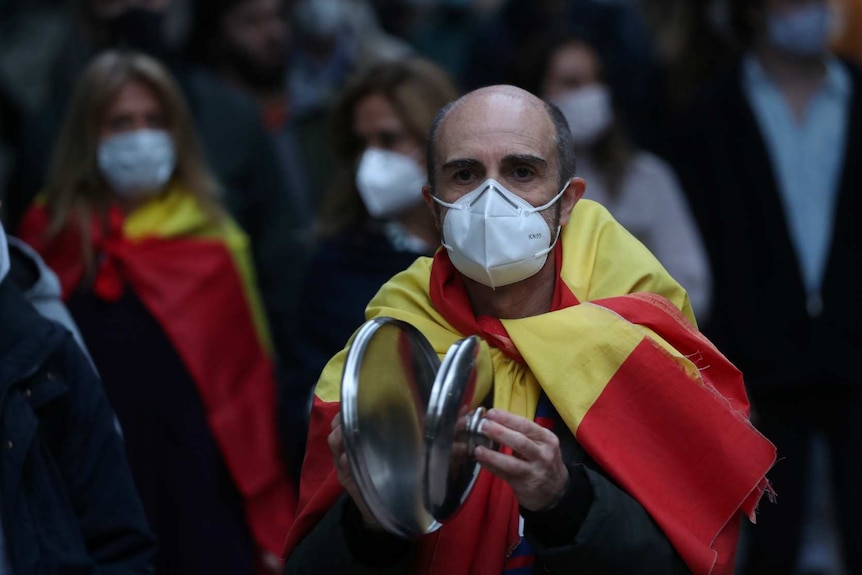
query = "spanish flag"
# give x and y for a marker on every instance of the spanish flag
(193, 273)
(647, 396)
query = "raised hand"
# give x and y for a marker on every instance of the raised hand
(345, 476)
(535, 469)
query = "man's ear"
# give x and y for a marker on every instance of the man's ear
(573, 192)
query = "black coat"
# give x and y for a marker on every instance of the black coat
(760, 318)
(67, 499)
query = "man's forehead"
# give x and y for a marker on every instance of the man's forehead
(496, 122)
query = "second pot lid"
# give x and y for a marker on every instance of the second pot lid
(452, 427)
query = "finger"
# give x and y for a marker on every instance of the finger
(523, 425)
(335, 440)
(521, 444)
(344, 467)
(506, 467)
(336, 421)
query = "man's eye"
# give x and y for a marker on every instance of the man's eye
(463, 175)
(523, 172)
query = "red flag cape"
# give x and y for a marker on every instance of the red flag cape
(194, 275)
(646, 395)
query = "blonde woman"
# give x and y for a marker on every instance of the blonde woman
(158, 278)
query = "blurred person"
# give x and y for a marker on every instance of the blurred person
(503, 41)
(161, 285)
(639, 189)
(769, 160)
(241, 153)
(625, 440)
(249, 45)
(691, 41)
(67, 499)
(334, 39)
(375, 223)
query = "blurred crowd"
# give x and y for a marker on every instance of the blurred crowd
(214, 189)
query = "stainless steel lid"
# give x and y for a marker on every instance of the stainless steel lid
(386, 384)
(452, 430)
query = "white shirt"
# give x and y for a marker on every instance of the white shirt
(807, 155)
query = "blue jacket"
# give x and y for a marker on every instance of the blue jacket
(67, 500)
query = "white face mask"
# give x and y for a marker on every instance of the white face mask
(588, 111)
(803, 31)
(389, 182)
(137, 163)
(4, 254)
(495, 237)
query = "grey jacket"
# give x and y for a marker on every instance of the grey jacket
(40, 286)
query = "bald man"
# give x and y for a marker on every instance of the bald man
(588, 479)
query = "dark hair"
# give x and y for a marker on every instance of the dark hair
(745, 16)
(562, 142)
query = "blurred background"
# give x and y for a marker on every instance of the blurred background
(724, 134)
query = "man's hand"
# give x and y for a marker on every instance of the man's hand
(345, 477)
(535, 470)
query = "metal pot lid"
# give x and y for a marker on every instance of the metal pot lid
(452, 430)
(387, 381)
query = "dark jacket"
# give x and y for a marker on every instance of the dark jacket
(761, 319)
(67, 499)
(596, 528)
(344, 274)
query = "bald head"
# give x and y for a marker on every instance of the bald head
(501, 110)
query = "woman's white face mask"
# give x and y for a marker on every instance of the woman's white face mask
(137, 163)
(389, 182)
(495, 237)
(588, 111)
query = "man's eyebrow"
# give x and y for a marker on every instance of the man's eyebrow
(461, 163)
(514, 159)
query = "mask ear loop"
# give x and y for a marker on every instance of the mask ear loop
(547, 250)
(552, 202)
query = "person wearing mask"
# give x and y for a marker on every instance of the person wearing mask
(641, 457)
(238, 149)
(67, 498)
(375, 223)
(769, 160)
(249, 45)
(639, 189)
(160, 283)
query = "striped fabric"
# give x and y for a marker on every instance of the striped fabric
(629, 375)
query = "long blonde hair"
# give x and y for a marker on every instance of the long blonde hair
(75, 187)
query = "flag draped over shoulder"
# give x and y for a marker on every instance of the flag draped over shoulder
(193, 273)
(646, 395)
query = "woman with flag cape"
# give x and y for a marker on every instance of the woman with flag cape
(160, 282)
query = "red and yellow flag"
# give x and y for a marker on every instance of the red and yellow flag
(646, 395)
(193, 273)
